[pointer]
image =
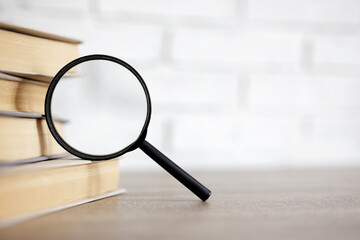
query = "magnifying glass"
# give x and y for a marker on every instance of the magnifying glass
(108, 108)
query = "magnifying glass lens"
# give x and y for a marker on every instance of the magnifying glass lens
(104, 107)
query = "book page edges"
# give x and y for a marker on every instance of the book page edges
(36, 76)
(45, 165)
(18, 219)
(36, 33)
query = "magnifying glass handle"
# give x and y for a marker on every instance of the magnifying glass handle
(188, 181)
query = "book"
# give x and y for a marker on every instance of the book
(26, 136)
(31, 184)
(19, 94)
(34, 54)
(30, 190)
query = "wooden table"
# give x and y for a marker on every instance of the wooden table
(304, 204)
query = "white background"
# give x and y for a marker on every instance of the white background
(234, 83)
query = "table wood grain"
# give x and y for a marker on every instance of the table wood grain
(288, 204)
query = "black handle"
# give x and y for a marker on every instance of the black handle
(188, 181)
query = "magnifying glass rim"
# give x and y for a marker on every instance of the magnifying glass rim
(49, 119)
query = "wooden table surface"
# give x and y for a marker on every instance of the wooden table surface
(303, 204)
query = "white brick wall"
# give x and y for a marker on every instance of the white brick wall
(234, 83)
(332, 142)
(337, 50)
(44, 5)
(189, 90)
(304, 94)
(125, 41)
(186, 8)
(313, 11)
(201, 131)
(223, 47)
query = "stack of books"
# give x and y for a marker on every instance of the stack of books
(36, 174)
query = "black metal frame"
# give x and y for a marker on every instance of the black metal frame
(49, 119)
(192, 184)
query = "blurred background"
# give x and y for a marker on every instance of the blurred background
(248, 84)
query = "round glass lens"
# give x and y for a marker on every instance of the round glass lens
(101, 110)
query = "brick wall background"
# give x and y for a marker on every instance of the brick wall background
(235, 83)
